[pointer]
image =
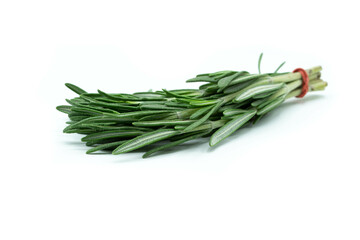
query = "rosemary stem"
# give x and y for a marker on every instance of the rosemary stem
(315, 85)
(285, 78)
(295, 76)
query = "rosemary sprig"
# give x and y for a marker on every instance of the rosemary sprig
(225, 102)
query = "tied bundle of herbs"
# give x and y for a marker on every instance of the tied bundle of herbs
(163, 119)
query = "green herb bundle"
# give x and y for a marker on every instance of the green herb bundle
(163, 119)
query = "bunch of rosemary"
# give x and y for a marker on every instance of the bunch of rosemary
(225, 102)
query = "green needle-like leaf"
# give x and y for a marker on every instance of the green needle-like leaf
(118, 97)
(251, 78)
(259, 62)
(232, 112)
(87, 111)
(110, 134)
(279, 67)
(120, 106)
(175, 143)
(204, 118)
(200, 112)
(105, 146)
(102, 127)
(224, 82)
(162, 123)
(272, 105)
(75, 89)
(149, 96)
(257, 90)
(173, 94)
(202, 79)
(160, 116)
(64, 108)
(231, 127)
(221, 73)
(144, 140)
(158, 107)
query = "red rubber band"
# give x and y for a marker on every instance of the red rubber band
(305, 79)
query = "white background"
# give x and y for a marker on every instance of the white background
(295, 175)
